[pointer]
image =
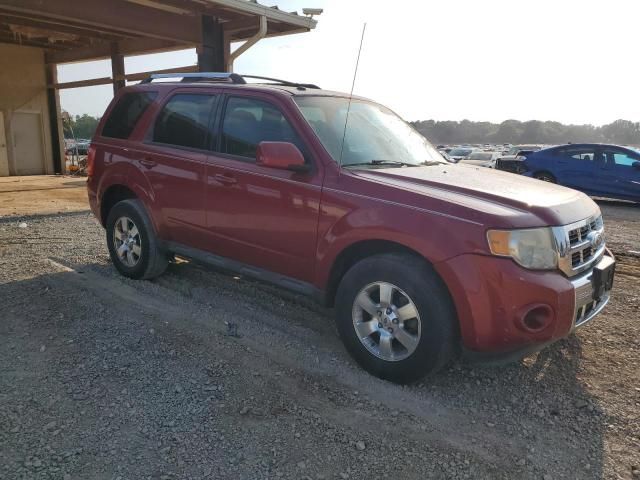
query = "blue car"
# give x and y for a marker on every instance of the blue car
(595, 169)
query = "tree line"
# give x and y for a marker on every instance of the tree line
(623, 132)
(83, 126)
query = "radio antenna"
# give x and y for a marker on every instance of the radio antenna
(353, 83)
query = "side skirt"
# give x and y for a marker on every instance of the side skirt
(234, 266)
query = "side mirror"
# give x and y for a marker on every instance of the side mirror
(281, 155)
(636, 165)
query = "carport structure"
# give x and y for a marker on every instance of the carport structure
(37, 35)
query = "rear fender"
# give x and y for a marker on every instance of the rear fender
(130, 177)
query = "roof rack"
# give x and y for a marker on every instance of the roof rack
(225, 77)
(197, 77)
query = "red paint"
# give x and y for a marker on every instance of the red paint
(296, 223)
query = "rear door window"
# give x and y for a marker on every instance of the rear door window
(620, 158)
(184, 121)
(586, 153)
(126, 113)
(249, 121)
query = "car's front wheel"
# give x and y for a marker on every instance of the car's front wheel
(132, 242)
(395, 317)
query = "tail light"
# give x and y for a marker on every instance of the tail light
(91, 160)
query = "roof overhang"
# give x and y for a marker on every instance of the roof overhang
(79, 30)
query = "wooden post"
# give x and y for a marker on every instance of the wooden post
(211, 48)
(117, 68)
(53, 103)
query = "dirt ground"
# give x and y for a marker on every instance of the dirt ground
(42, 194)
(200, 374)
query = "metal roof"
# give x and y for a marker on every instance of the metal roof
(76, 30)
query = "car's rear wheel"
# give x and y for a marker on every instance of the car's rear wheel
(545, 177)
(132, 241)
(395, 317)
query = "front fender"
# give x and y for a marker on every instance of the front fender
(434, 236)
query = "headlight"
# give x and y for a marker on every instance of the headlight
(532, 248)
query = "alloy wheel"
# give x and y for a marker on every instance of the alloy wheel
(127, 241)
(386, 321)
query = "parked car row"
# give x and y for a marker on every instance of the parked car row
(79, 147)
(487, 155)
(596, 169)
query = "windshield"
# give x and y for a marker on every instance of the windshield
(460, 152)
(480, 156)
(374, 134)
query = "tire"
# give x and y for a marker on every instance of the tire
(545, 177)
(432, 331)
(142, 258)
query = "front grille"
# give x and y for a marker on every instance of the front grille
(581, 246)
(513, 166)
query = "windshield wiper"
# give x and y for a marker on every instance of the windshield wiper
(382, 162)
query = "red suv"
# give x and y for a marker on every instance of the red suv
(340, 199)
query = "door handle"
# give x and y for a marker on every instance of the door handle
(148, 163)
(225, 179)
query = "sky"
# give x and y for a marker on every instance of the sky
(573, 61)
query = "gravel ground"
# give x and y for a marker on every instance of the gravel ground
(200, 374)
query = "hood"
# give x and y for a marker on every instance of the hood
(509, 199)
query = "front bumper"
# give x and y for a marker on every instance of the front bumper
(495, 298)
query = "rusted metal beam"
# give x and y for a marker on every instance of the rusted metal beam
(119, 15)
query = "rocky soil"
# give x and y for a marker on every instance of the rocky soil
(200, 374)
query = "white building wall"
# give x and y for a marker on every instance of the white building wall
(23, 88)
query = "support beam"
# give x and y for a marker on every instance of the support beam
(211, 50)
(117, 68)
(130, 77)
(53, 102)
(136, 77)
(102, 51)
(12, 38)
(58, 26)
(119, 15)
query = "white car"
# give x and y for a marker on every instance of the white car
(460, 153)
(481, 159)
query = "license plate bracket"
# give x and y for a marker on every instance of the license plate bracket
(602, 277)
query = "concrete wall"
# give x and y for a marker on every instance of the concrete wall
(23, 88)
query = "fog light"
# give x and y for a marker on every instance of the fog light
(536, 318)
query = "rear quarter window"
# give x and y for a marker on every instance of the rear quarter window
(126, 113)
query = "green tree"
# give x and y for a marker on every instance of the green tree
(80, 126)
